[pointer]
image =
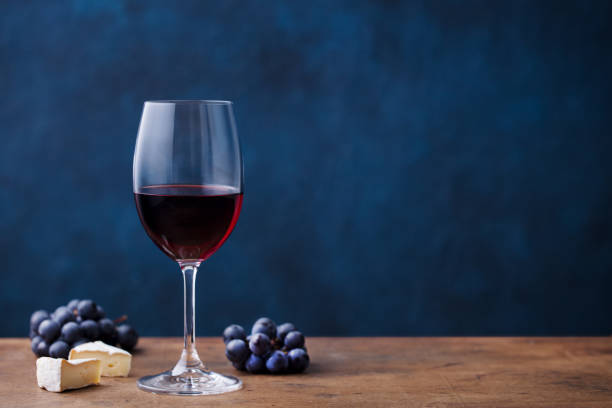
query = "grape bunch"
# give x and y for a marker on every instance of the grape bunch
(268, 349)
(81, 321)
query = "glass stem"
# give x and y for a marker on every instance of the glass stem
(190, 360)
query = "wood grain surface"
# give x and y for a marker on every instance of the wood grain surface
(355, 372)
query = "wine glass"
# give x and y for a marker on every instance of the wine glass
(188, 192)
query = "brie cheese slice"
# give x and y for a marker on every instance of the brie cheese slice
(57, 374)
(115, 361)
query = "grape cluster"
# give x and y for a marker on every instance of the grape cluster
(81, 321)
(268, 349)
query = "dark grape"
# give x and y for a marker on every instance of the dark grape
(63, 315)
(87, 309)
(106, 325)
(89, 329)
(127, 337)
(294, 339)
(73, 305)
(265, 329)
(237, 351)
(79, 319)
(42, 350)
(255, 364)
(264, 325)
(108, 331)
(232, 332)
(59, 349)
(239, 366)
(298, 360)
(100, 313)
(266, 321)
(70, 332)
(259, 344)
(37, 318)
(283, 329)
(79, 342)
(49, 330)
(34, 345)
(277, 362)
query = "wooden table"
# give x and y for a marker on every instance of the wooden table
(353, 372)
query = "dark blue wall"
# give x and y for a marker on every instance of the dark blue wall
(438, 167)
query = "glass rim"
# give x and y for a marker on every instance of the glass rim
(190, 101)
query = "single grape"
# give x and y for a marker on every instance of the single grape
(49, 330)
(294, 339)
(232, 332)
(100, 313)
(268, 330)
(255, 364)
(87, 309)
(106, 325)
(37, 318)
(298, 360)
(79, 319)
(34, 345)
(277, 362)
(259, 344)
(283, 329)
(239, 366)
(63, 315)
(73, 305)
(265, 320)
(89, 329)
(108, 331)
(70, 332)
(264, 325)
(237, 351)
(42, 350)
(79, 342)
(59, 349)
(127, 337)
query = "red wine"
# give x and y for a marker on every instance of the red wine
(188, 222)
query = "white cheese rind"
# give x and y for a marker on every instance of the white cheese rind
(115, 361)
(99, 346)
(49, 373)
(57, 374)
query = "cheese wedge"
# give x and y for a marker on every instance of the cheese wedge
(115, 361)
(57, 374)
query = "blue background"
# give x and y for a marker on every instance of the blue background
(412, 168)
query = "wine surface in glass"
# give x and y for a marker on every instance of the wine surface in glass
(188, 222)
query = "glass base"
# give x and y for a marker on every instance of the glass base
(192, 382)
